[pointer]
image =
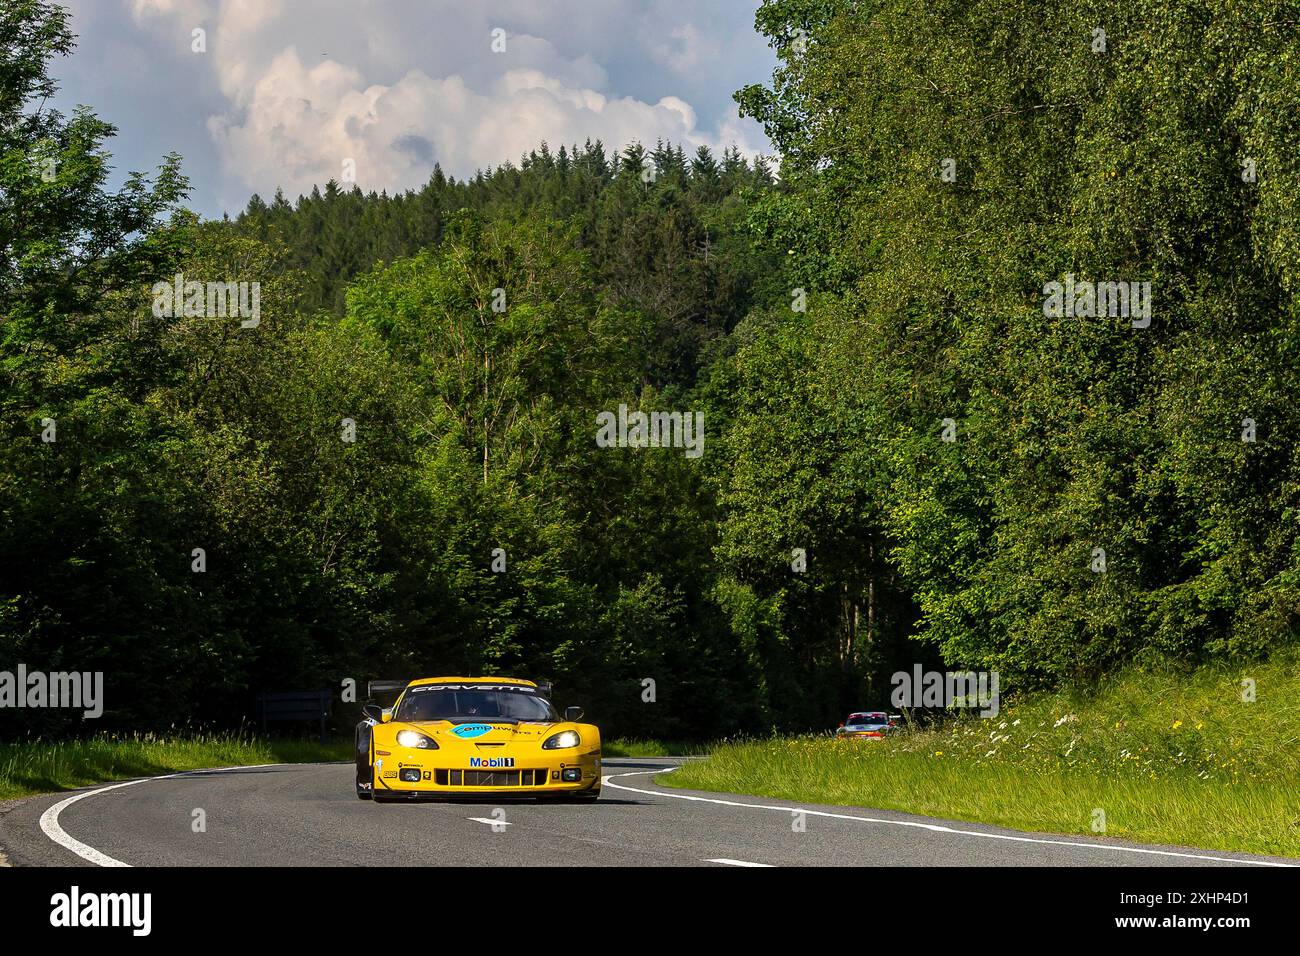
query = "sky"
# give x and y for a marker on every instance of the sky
(292, 93)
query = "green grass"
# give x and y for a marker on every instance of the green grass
(624, 747)
(1170, 757)
(33, 767)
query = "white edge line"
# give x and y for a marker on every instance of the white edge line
(52, 829)
(605, 781)
(725, 862)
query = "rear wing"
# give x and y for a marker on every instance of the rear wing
(385, 688)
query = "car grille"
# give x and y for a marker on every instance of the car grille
(489, 778)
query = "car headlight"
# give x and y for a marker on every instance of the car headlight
(563, 740)
(409, 738)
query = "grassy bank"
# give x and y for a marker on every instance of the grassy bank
(624, 747)
(33, 767)
(1168, 757)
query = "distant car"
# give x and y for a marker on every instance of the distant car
(867, 725)
(457, 736)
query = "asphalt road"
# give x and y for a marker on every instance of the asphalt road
(307, 815)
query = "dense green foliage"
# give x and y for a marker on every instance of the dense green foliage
(1123, 156)
(394, 472)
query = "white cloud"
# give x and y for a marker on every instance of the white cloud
(685, 49)
(401, 84)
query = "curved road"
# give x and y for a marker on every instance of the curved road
(307, 815)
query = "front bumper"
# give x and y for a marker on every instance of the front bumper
(423, 773)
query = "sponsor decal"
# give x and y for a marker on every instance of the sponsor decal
(470, 731)
(517, 688)
(491, 761)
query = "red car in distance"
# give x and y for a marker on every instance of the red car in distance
(867, 725)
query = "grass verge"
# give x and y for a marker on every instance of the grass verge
(624, 747)
(1167, 756)
(31, 767)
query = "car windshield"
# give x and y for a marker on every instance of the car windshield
(461, 702)
(867, 720)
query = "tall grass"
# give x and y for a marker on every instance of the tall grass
(1167, 757)
(37, 766)
(635, 747)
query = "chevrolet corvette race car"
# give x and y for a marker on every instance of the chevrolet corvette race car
(448, 736)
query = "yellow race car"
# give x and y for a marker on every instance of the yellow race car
(449, 736)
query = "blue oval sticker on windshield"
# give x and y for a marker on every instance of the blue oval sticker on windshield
(470, 731)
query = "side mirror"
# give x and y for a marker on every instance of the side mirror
(573, 713)
(374, 712)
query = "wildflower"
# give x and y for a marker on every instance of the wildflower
(1177, 724)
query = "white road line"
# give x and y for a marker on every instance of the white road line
(605, 781)
(50, 824)
(489, 821)
(726, 862)
(52, 829)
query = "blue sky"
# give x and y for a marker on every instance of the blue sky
(290, 93)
